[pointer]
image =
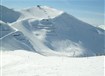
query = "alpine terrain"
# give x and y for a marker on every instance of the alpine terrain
(43, 41)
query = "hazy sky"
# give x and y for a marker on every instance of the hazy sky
(90, 11)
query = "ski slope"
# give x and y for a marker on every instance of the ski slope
(23, 63)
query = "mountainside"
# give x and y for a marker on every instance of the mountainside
(8, 15)
(54, 32)
(11, 39)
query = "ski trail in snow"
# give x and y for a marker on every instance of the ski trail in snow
(34, 41)
(49, 17)
(7, 34)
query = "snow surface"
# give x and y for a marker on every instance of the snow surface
(102, 27)
(11, 39)
(23, 63)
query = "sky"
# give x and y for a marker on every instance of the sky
(90, 11)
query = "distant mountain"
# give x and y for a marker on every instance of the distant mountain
(8, 15)
(54, 32)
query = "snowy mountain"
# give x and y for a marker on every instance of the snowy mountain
(54, 32)
(35, 41)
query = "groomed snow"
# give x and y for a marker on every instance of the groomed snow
(23, 63)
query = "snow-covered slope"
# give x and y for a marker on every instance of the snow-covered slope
(11, 39)
(64, 34)
(22, 63)
(54, 32)
(8, 15)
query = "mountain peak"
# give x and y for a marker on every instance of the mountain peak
(40, 12)
(49, 8)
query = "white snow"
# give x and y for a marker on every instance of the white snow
(11, 39)
(39, 13)
(102, 27)
(23, 63)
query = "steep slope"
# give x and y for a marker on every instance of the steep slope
(61, 33)
(8, 15)
(70, 28)
(10, 39)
